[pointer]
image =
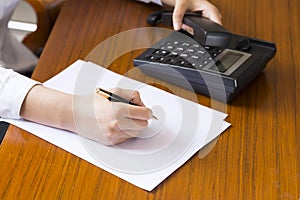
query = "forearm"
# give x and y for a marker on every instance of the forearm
(49, 107)
(108, 123)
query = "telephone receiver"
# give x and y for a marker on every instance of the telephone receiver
(206, 32)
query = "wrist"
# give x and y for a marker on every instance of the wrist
(65, 119)
(49, 107)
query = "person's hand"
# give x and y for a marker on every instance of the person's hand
(181, 6)
(113, 122)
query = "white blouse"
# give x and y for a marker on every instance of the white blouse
(153, 1)
(13, 54)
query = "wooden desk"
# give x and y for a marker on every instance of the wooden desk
(257, 158)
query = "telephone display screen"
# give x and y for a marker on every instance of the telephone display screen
(226, 61)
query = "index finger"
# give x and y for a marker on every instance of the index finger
(139, 112)
(178, 13)
(132, 95)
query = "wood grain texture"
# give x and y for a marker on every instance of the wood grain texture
(257, 158)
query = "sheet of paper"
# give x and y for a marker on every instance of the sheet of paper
(183, 128)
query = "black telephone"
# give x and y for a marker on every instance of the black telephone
(213, 61)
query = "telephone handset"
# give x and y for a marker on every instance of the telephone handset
(213, 61)
(206, 32)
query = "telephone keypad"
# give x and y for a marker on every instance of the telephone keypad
(184, 54)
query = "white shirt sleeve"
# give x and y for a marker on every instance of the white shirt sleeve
(13, 90)
(152, 1)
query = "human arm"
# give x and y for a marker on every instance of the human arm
(108, 123)
(21, 97)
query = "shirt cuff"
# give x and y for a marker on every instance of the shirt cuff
(152, 1)
(14, 93)
(157, 2)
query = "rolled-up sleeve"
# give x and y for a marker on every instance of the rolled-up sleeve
(152, 1)
(13, 90)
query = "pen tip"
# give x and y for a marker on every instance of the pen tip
(153, 117)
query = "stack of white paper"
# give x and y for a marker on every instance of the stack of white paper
(183, 128)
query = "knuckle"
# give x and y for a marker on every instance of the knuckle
(114, 126)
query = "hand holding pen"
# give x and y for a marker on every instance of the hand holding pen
(116, 98)
(119, 119)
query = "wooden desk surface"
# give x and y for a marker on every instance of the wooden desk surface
(257, 158)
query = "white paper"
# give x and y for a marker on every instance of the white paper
(183, 128)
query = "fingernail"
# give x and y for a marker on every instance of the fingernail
(176, 26)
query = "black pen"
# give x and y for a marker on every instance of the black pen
(116, 98)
